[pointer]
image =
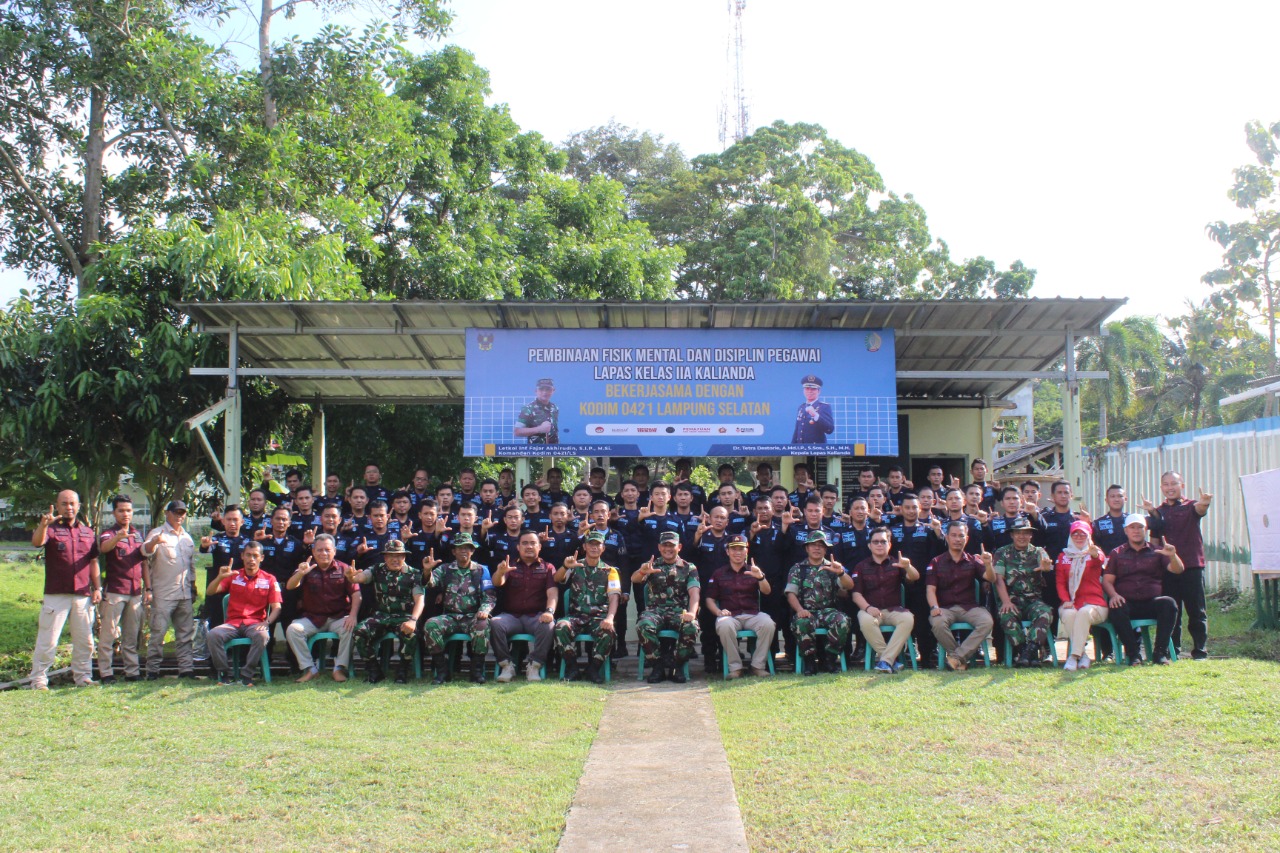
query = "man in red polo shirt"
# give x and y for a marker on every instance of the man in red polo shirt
(121, 610)
(529, 607)
(950, 586)
(72, 586)
(1133, 580)
(1177, 521)
(253, 604)
(733, 597)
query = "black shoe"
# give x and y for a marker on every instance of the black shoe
(153, 676)
(832, 663)
(224, 678)
(1196, 654)
(675, 673)
(132, 678)
(571, 669)
(373, 672)
(658, 675)
(402, 674)
(245, 678)
(107, 680)
(810, 666)
(477, 672)
(1135, 660)
(440, 663)
(619, 651)
(1161, 660)
(189, 675)
(595, 671)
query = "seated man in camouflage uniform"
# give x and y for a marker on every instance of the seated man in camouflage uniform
(399, 603)
(467, 601)
(591, 603)
(671, 583)
(1021, 569)
(813, 588)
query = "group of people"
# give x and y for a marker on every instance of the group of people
(550, 572)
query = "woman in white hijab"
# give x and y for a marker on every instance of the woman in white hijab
(1079, 575)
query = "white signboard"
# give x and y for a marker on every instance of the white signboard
(1262, 512)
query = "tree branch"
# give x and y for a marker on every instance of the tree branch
(45, 213)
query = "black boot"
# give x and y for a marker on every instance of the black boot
(832, 663)
(810, 665)
(402, 674)
(571, 669)
(440, 663)
(659, 672)
(1024, 656)
(595, 671)
(477, 671)
(675, 671)
(373, 671)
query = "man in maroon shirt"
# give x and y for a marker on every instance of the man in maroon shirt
(72, 586)
(1177, 521)
(121, 611)
(877, 592)
(733, 597)
(329, 603)
(1134, 582)
(529, 608)
(253, 604)
(951, 581)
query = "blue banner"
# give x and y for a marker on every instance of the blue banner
(680, 392)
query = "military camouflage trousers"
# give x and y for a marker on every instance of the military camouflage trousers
(572, 626)
(654, 620)
(438, 629)
(836, 623)
(368, 634)
(1032, 610)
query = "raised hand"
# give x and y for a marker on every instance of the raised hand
(903, 562)
(755, 571)
(1148, 505)
(309, 538)
(1094, 551)
(406, 529)
(48, 517)
(835, 567)
(504, 566)
(983, 515)
(571, 563)
(1205, 499)
(206, 541)
(305, 568)
(363, 547)
(225, 572)
(347, 526)
(987, 559)
(260, 534)
(429, 562)
(545, 535)
(439, 526)
(486, 524)
(1168, 550)
(350, 574)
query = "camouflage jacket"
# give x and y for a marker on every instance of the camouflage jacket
(668, 588)
(1019, 570)
(536, 414)
(814, 586)
(394, 591)
(466, 591)
(590, 588)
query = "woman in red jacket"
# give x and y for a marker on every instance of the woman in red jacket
(1079, 575)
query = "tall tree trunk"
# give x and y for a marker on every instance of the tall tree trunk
(269, 117)
(91, 205)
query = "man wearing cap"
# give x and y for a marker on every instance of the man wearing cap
(529, 603)
(170, 582)
(591, 603)
(398, 604)
(1133, 581)
(1021, 569)
(72, 585)
(671, 604)
(539, 420)
(467, 600)
(329, 603)
(814, 419)
(813, 589)
(733, 597)
(253, 603)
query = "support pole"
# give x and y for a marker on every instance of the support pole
(231, 425)
(835, 471)
(1072, 462)
(319, 459)
(522, 474)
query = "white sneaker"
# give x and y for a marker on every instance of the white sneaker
(507, 671)
(533, 671)
(1070, 665)
(1085, 660)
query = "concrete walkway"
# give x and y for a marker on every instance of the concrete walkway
(657, 777)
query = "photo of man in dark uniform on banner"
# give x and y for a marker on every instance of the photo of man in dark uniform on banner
(539, 420)
(814, 419)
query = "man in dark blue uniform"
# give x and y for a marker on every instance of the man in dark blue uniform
(814, 419)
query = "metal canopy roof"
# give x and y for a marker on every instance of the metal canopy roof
(967, 351)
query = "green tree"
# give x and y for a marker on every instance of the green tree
(1132, 353)
(1211, 354)
(1250, 247)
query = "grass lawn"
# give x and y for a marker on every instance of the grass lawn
(329, 767)
(1180, 757)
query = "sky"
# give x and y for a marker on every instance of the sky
(1092, 141)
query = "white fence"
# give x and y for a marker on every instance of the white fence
(1210, 459)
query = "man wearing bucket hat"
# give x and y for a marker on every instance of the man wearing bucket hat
(814, 419)
(812, 590)
(398, 604)
(1134, 583)
(1021, 571)
(594, 590)
(539, 420)
(467, 600)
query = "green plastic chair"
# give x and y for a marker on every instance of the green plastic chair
(818, 632)
(385, 645)
(586, 643)
(233, 646)
(1008, 648)
(516, 657)
(319, 637)
(909, 650)
(956, 627)
(662, 635)
(1145, 627)
(751, 638)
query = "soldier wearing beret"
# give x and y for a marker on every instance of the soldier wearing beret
(814, 419)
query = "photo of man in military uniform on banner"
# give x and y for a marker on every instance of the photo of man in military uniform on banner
(539, 420)
(814, 419)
